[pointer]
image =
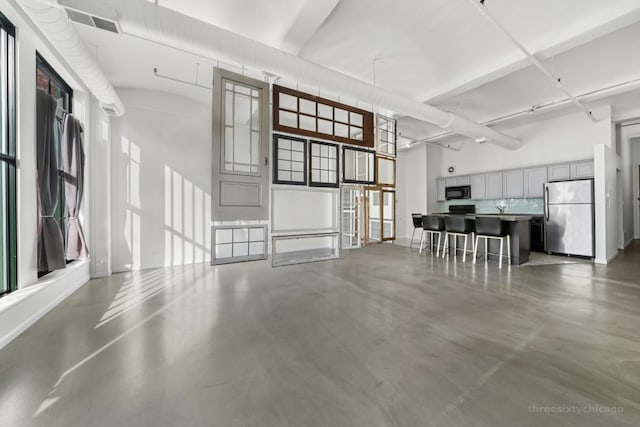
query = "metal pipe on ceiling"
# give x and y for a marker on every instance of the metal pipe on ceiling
(173, 29)
(594, 95)
(554, 79)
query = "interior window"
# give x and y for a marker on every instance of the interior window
(359, 165)
(241, 148)
(324, 165)
(289, 160)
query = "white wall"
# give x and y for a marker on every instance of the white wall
(635, 196)
(98, 201)
(553, 140)
(161, 181)
(629, 171)
(411, 185)
(557, 139)
(606, 208)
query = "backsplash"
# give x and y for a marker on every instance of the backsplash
(514, 206)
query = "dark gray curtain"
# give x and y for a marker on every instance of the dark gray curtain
(73, 159)
(50, 244)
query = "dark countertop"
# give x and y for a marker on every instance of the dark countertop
(503, 217)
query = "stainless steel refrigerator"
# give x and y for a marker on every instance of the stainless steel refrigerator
(569, 218)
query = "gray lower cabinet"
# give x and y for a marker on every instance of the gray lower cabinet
(478, 187)
(559, 172)
(512, 182)
(494, 185)
(440, 185)
(534, 180)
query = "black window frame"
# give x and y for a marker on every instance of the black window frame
(276, 160)
(61, 214)
(8, 220)
(344, 169)
(313, 183)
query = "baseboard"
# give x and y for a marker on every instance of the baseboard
(26, 306)
(628, 243)
(612, 256)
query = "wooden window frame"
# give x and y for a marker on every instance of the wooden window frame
(388, 159)
(368, 139)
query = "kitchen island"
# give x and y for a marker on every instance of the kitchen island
(519, 227)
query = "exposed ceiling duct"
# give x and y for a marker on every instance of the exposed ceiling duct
(56, 26)
(143, 19)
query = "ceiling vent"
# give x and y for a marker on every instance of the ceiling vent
(92, 21)
(110, 110)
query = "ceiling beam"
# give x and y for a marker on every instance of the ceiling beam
(516, 61)
(306, 25)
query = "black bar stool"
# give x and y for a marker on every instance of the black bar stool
(417, 223)
(492, 228)
(458, 225)
(431, 225)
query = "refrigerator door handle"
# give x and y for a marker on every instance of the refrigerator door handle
(546, 203)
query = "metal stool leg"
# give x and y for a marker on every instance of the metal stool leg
(486, 249)
(475, 249)
(509, 249)
(438, 246)
(446, 243)
(464, 250)
(412, 236)
(501, 244)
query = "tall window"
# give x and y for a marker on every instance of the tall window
(48, 80)
(8, 210)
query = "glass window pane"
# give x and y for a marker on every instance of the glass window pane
(307, 123)
(325, 111)
(288, 119)
(288, 102)
(307, 107)
(341, 130)
(355, 119)
(256, 234)
(341, 115)
(325, 126)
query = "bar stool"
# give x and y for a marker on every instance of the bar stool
(492, 228)
(458, 225)
(417, 223)
(431, 225)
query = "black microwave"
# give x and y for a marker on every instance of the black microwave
(458, 192)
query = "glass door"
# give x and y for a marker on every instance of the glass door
(351, 217)
(374, 216)
(388, 215)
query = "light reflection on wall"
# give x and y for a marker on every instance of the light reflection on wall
(186, 218)
(133, 206)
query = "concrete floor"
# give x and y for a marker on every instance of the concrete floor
(382, 337)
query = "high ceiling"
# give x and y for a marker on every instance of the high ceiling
(443, 52)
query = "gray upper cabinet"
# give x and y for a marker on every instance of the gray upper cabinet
(512, 182)
(494, 185)
(582, 169)
(559, 172)
(478, 187)
(454, 181)
(534, 180)
(440, 185)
